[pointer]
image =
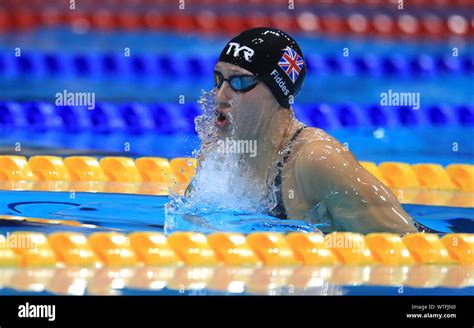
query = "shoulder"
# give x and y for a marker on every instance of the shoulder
(319, 163)
(318, 149)
(323, 163)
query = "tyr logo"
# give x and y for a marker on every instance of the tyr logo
(248, 52)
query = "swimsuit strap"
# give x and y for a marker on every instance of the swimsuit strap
(279, 210)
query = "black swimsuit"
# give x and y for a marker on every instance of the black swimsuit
(279, 210)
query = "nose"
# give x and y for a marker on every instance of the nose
(224, 93)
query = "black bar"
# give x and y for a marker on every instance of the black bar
(228, 310)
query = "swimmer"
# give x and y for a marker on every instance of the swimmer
(312, 176)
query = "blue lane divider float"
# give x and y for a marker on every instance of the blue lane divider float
(97, 65)
(136, 118)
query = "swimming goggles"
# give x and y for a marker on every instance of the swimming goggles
(239, 83)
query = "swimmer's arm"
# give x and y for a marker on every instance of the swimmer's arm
(355, 199)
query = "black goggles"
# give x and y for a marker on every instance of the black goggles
(239, 83)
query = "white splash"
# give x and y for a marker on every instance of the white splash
(223, 180)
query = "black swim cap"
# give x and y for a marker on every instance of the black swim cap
(273, 56)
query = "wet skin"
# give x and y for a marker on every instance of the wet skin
(321, 180)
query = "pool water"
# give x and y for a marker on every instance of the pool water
(127, 213)
(432, 144)
(87, 213)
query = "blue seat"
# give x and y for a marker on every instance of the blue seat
(75, 118)
(199, 66)
(113, 65)
(12, 115)
(54, 64)
(85, 65)
(141, 65)
(448, 64)
(333, 64)
(137, 117)
(395, 65)
(316, 64)
(322, 116)
(106, 118)
(381, 116)
(174, 118)
(465, 114)
(410, 117)
(351, 115)
(422, 64)
(348, 66)
(25, 64)
(163, 118)
(468, 64)
(171, 66)
(28, 64)
(441, 115)
(10, 66)
(367, 64)
(3, 64)
(42, 116)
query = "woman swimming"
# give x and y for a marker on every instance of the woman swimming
(310, 175)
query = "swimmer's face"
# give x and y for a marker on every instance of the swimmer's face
(241, 114)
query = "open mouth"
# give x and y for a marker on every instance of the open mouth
(221, 120)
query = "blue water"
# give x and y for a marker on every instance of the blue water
(128, 213)
(442, 145)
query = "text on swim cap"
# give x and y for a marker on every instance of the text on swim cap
(248, 52)
(281, 83)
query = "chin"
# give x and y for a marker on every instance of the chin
(224, 132)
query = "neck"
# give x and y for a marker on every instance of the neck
(273, 137)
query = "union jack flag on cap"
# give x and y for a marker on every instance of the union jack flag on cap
(291, 63)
